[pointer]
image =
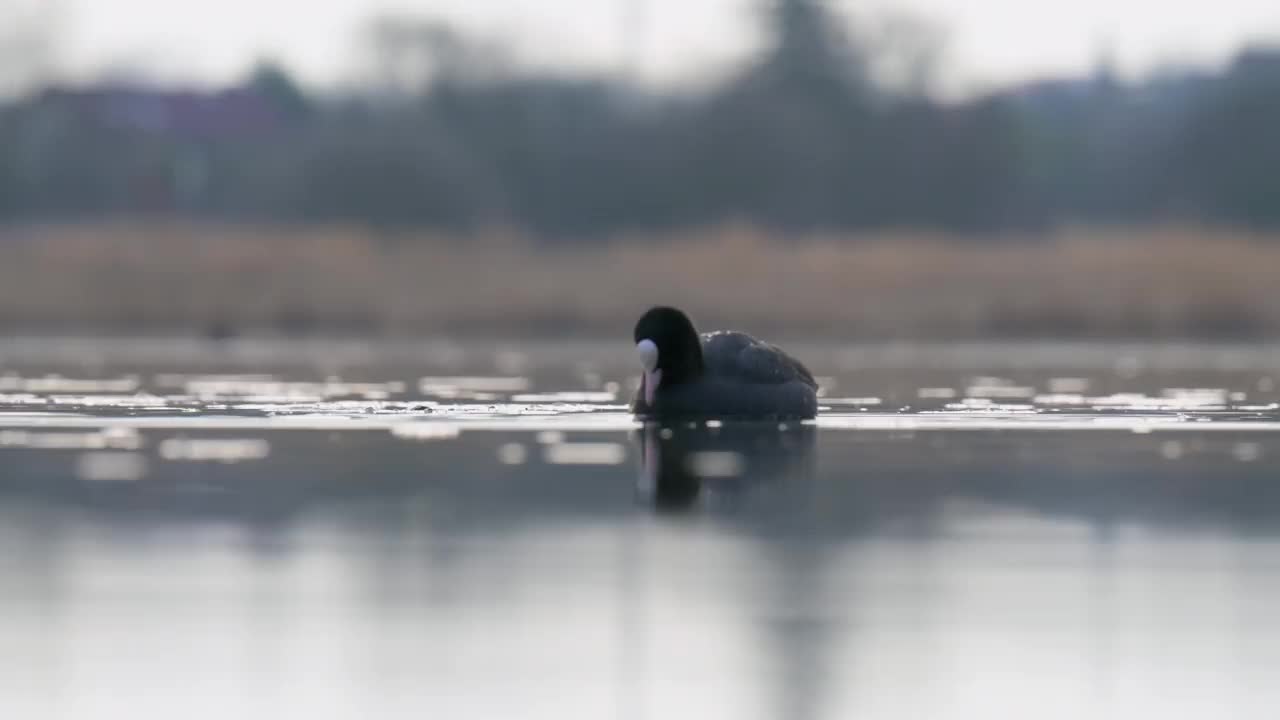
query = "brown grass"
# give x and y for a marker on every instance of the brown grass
(1153, 282)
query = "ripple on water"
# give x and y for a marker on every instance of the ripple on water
(59, 384)
(133, 402)
(716, 464)
(567, 396)
(111, 467)
(853, 401)
(1000, 392)
(583, 453)
(464, 385)
(279, 406)
(117, 438)
(426, 431)
(1068, 385)
(512, 453)
(184, 380)
(221, 387)
(23, 399)
(1247, 452)
(512, 400)
(221, 450)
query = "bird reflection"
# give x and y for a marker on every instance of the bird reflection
(683, 464)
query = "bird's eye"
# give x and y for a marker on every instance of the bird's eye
(648, 352)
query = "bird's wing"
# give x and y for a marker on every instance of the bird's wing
(737, 354)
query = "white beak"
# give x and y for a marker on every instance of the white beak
(648, 351)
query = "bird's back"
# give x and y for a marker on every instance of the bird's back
(736, 355)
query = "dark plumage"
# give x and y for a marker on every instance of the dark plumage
(717, 374)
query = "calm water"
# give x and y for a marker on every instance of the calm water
(350, 531)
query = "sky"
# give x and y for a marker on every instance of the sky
(989, 42)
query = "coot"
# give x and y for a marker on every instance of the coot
(725, 374)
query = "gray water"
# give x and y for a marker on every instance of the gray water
(343, 530)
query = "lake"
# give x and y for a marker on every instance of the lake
(479, 529)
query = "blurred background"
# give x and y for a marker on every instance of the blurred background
(315, 349)
(840, 169)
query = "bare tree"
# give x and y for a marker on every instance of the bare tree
(406, 54)
(904, 51)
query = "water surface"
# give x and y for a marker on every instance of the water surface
(326, 529)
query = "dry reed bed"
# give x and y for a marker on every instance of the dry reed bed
(1153, 282)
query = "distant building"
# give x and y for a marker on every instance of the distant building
(135, 148)
(233, 114)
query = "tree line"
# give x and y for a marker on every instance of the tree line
(804, 136)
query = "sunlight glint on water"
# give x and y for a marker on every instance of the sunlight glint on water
(960, 535)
